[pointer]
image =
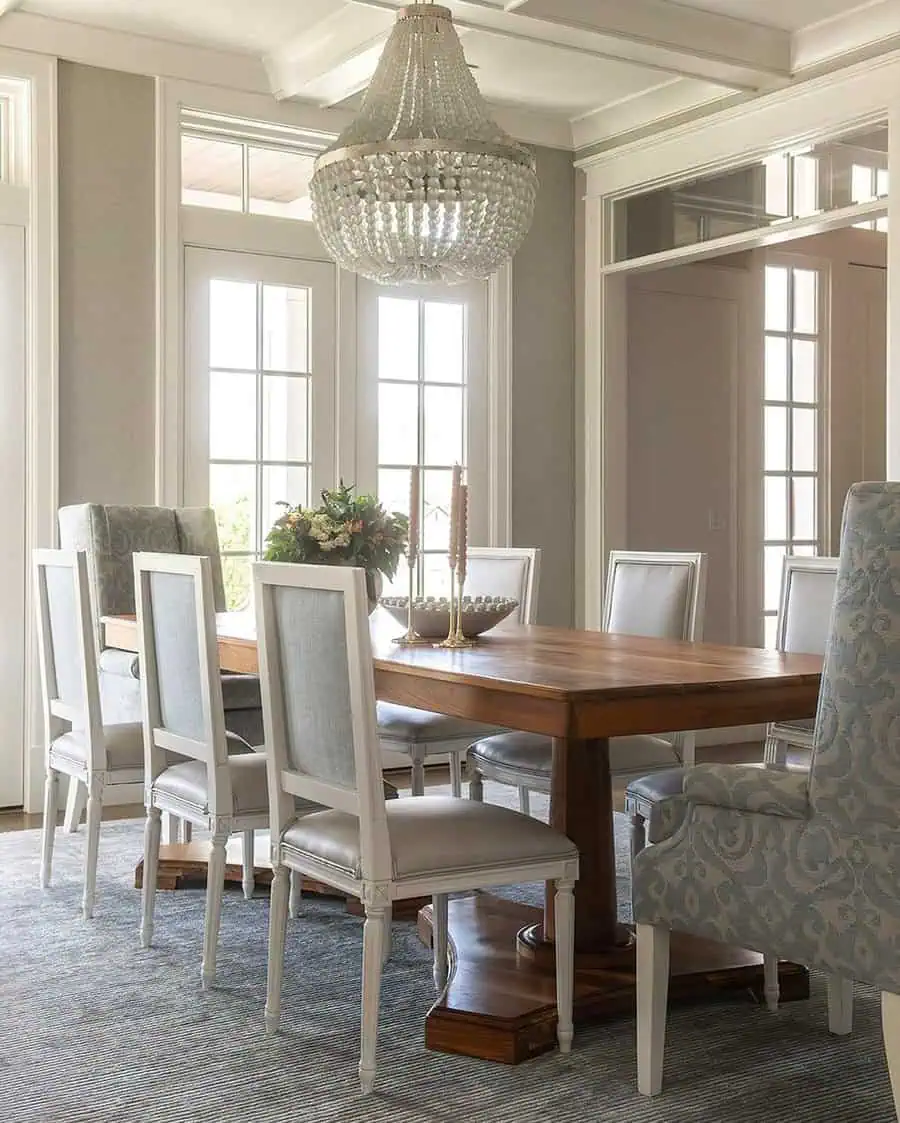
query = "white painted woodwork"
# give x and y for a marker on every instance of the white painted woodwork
(13, 474)
(840, 1005)
(890, 1023)
(652, 998)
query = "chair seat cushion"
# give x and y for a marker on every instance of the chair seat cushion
(187, 783)
(418, 727)
(124, 746)
(241, 692)
(659, 798)
(112, 661)
(433, 835)
(658, 785)
(528, 753)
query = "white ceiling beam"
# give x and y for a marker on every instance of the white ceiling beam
(656, 35)
(7, 6)
(877, 25)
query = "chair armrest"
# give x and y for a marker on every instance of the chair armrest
(761, 788)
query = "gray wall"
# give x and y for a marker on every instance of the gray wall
(543, 387)
(106, 275)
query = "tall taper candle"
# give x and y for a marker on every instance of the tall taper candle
(414, 501)
(454, 514)
(463, 539)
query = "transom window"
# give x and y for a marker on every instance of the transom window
(792, 416)
(422, 411)
(868, 183)
(259, 416)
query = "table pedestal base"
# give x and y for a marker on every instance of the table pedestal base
(501, 1002)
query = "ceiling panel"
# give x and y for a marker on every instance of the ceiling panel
(551, 78)
(790, 15)
(254, 26)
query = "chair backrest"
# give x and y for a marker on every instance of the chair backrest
(509, 571)
(855, 768)
(318, 695)
(111, 535)
(804, 611)
(659, 595)
(181, 688)
(66, 655)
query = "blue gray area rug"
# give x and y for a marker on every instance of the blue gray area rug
(93, 1030)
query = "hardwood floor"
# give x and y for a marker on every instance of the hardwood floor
(17, 820)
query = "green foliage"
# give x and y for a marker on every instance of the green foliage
(344, 530)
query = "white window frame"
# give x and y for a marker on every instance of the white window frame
(178, 226)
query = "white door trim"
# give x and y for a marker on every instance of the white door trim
(859, 95)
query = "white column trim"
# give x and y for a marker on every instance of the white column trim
(42, 371)
(500, 352)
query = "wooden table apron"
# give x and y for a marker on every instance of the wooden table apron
(580, 689)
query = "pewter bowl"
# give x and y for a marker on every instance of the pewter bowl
(431, 616)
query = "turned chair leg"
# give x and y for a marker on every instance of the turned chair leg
(417, 780)
(152, 833)
(215, 884)
(94, 813)
(638, 834)
(524, 800)
(771, 985)
(440, 941)
(282, 879)
(76, 805)
(476, 786)
(248, 880)
(296, 894)
(373, 960)
(652, 996)
(564, 912)
(51, 798)
(456, 775)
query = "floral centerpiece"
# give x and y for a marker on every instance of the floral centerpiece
(346, 529)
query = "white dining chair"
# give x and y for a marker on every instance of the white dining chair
(512, 572)
(77, 743)
(662, 595)
(318, 693)
(184, 722)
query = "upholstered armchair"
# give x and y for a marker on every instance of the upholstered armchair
(795, 863)
(111, 535)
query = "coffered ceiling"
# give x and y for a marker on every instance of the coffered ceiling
(594, 69)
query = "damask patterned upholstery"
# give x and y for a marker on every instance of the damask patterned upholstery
(111, 535)
(804, 865)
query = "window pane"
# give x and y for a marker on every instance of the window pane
(772, 566)
(286, 328)
(804, 551)
(436, 524)
(444, 425)
(398, 338)
(776, 452)
(861, 183)
(237, 576)
(399, 587)
(804, 373)
(212, 173)
(398, 424)
(232, 324)
(776, 298)
(776, 368)
(444, 339)
(232, 492)
(804, 446)
(776, 507)
(282, 483)
(805, 508)
(279, 183)
(806, 185)
(436, 576)
(285, 418)
(232, 416)
(393, 490)
(770, 632)
(882, 179)
(777, 185)
(805, 304)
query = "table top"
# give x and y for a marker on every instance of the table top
(563, 666)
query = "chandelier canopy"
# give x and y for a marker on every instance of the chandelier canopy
(423, 186)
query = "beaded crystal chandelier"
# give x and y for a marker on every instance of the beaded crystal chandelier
(423, 186)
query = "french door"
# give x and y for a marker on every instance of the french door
(260, 395)
(13, 490)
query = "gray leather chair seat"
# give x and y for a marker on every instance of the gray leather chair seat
(187, 783)
(411, 726)
(124, 745)
(658, 800)
(425, 829)
(525, 752)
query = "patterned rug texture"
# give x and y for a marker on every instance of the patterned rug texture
(94, 1030)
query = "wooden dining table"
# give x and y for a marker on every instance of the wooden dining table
(579, 688)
